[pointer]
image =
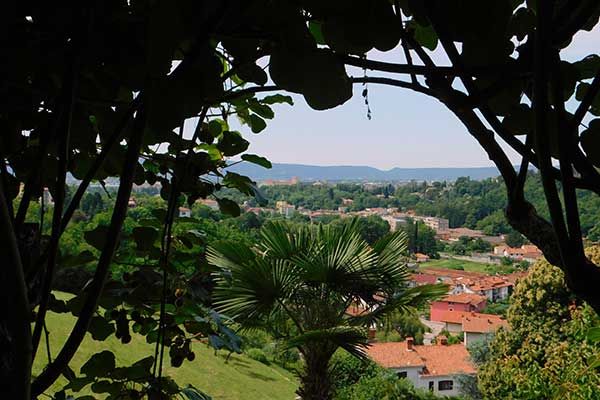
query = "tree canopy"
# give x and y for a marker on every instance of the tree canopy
(546, 353)
(302, 284)
(104, 89)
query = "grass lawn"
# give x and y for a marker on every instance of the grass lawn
(471, 266)
(238, 378)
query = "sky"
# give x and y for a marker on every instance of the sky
(407, 129)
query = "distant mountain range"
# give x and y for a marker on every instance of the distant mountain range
(359, 173)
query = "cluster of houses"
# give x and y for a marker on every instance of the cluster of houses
(397, 219)
(436, 364)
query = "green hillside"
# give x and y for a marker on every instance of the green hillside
(237, 378)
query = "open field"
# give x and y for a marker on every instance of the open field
(238, 378)
(452, 263)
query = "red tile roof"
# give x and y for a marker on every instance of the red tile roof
(446, 359)
(422, 279)
(453, 317)
(472, 321)
(492, 282)
(435, 359)
(482, 323)
(394, 355)
(464, 298)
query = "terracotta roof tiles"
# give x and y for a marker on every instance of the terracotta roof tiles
(464, 298)
(435, 359)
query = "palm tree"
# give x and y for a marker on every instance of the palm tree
(299, 281)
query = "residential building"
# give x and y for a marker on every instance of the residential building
(432, 367)
(185, 212)
(466, 302)
(131, 203)
(436, 223)
(474, 326)
(478, 327)
(395, 222)
(453, 235)
(494, 288)
(420, 257)
(422, 279)
(213, 204)
(527, 252)
(280, 182)
(285, 209)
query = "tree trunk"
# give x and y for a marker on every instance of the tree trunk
(315, 380)
(15, 331)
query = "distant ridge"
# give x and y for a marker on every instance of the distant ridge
(360, 173)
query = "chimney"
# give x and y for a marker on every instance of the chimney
(409, 343)
(443, 340)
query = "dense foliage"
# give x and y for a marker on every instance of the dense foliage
(475, 204)
(104, 89)
(546, 352)
(299, 281)
(385, 385)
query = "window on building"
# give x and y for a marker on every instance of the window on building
(445, 385)
(431, 385)
(401, 374)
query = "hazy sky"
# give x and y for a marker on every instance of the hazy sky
(407, 129)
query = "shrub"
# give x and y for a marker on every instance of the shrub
(384, 385)
(347, 369)
(255, 338)
(391, 336)
(258, 355)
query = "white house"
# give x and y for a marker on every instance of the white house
(432, 367)
(185, 212)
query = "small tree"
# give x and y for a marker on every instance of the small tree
(545, 353)
(298, 283)
(514, 239)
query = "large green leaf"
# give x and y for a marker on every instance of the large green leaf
(100, 328)
(276, 99)
(232, 143)
(425, 36)
(97, 236)
(316, 73)
(229, 207)
(253, 158)
(144, 237)
(361, 26)
(99, 365)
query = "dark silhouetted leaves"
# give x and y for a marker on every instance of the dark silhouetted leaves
(99, 365)
(253, 158)
(100, 328)
(232, 143)
(582, 89)
(144, 237)
(315, 73)
(229, 207)
(276, 99)
(590, 142)
(97, 236)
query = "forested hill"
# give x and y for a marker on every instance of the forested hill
(360, 173)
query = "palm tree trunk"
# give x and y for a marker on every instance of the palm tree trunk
(315, 380)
